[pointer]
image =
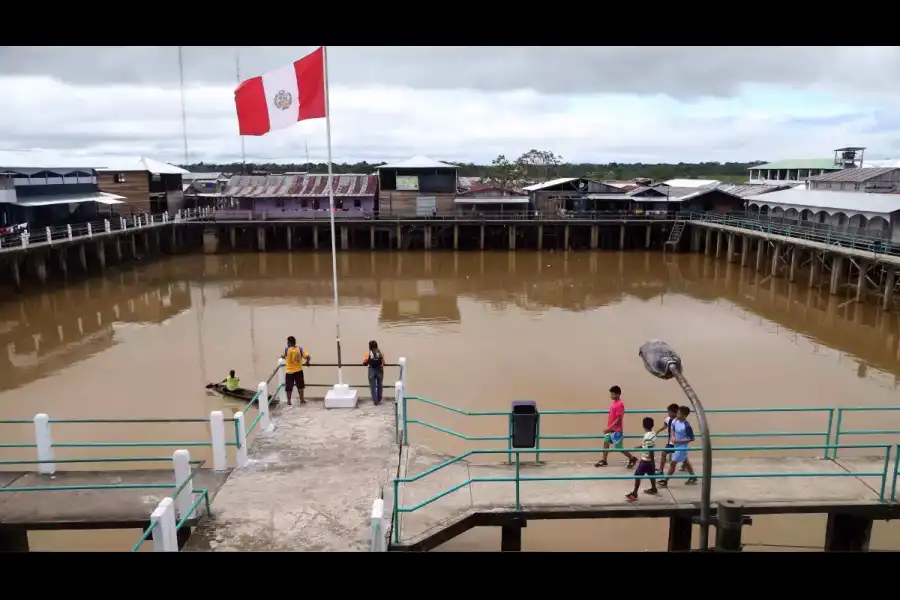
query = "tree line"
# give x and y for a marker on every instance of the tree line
(534, 165)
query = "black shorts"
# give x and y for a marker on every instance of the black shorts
(294, 379)
(645, 467)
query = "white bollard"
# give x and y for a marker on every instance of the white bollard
(217, 437)
(241, 460)
(44, 442)
(399, 405)
(165, 538)
(106, 226)
(69, 231)
(402, 362)
(265, 423)
(282, 390)
(49, 235)
(378, 541)
(90, 231)
(181, 461)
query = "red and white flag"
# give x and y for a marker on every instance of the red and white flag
(282, 97)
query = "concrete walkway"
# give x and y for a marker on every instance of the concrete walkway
(572, 495)
(309, 485)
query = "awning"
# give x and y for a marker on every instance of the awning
(497, 200)
(50, 200)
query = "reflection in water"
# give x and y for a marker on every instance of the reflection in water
(480, 329)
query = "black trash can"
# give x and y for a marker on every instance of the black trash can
(524, 423)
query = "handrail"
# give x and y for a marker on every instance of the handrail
(518, 478)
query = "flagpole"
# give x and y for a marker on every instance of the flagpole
(237, 64)
(334, 274)
(183, 109)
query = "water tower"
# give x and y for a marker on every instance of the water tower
(849, 158)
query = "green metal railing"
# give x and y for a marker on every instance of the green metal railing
(517, 478)
(833, 428)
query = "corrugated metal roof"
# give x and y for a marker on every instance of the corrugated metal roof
(300, 186)
(201, 176)
(540, 186)
(418, 162)
(800, 163)
(51, 199)
(497, 200)
(140, 164)
(853, 175)
(847, 202)
(691, 183)
(745, 190)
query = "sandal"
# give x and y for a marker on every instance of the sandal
(600, 463)
(663, 484)
(652, 492)
(631, 462)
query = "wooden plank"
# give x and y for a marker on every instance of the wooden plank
(92, 509)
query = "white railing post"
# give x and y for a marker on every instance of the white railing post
(262, 401)
(23, 238)
(90, 231)
(44, 442)
(181, 462)
(282, 391)
(69, 231)
(49, 235)
(123, 224)
(402, 362)
(378, 542)
(400, 407)
(106, 226)
(165, 538)
(241, 460)
(217, 437)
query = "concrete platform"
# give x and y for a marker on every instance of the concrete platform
(91, 509)
(310, 483)
(609, 495)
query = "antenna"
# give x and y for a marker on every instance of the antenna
(306, 146)
(183, 109)
(237, 65)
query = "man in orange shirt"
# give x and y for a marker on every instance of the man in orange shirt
(294, 359)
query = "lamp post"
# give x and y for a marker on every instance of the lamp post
(663, 362)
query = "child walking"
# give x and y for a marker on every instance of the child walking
(672, 414)
(646, 465)
(682, 435)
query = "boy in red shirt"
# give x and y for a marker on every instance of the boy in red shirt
(614, 428)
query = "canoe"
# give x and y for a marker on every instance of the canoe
(239, 394)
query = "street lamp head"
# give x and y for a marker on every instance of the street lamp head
(660, 359)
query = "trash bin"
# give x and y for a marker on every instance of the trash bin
(523, 423)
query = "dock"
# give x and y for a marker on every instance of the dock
(308, 485)
(97, 508)
(764, 485)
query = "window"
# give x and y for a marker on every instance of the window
(357, 203)
(119, 178)
(279, 203)
(304, 203)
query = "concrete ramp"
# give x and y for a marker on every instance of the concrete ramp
(309, 485)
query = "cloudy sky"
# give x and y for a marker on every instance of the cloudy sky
(588, 104)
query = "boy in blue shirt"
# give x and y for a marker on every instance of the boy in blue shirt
(682, 435)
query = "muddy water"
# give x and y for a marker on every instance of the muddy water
(479, 329)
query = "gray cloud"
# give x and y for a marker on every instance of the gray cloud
(682, 72)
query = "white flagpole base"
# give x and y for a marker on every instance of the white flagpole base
(341, 396)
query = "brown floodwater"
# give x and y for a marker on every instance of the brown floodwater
(478, 329)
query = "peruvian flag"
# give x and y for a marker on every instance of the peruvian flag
(282, 97)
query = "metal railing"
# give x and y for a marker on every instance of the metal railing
(833, 428)
(828, 237)
(114, 224)
(885, 474)
(226, 216)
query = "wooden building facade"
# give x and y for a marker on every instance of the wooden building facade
(419, 186)
(147, 185)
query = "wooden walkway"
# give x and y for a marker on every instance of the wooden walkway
(92, 509)
(606, 498)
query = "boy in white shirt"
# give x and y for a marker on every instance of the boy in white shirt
(646, 466)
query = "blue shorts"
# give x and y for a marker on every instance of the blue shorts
(614, 439)
(680, 455)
